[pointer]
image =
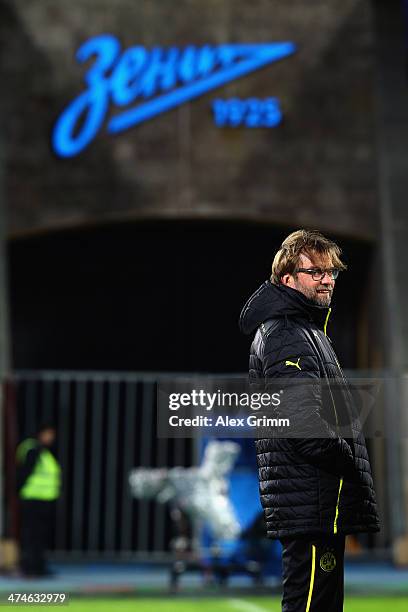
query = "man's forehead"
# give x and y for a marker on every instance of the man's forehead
(317, 260)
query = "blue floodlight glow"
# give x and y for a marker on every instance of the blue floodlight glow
(160, 79)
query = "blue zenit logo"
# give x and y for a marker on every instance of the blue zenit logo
(160, 79)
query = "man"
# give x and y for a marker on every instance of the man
(39, 483)
(317, 487)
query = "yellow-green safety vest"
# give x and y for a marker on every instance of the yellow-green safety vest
(44, 482)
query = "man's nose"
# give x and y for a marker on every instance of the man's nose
(327, 279)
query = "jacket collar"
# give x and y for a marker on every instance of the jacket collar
(314, 312)
(270, 301)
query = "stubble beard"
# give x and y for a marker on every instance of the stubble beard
(320, 299)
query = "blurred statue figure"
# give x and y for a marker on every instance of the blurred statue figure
(200, 492)
(39, 484)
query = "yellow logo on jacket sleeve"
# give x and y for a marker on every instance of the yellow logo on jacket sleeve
(291, 363)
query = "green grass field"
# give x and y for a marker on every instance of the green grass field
(226, 604)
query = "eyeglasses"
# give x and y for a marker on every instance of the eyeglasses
(318, 274)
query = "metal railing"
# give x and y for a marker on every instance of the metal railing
(106, 425)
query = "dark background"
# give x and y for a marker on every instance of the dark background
(156, 296)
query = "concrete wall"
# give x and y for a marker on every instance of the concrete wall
(318, 168)
(392, 126)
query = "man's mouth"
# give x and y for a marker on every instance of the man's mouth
(324, 291)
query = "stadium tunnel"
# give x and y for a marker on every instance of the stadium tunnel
(157, 296)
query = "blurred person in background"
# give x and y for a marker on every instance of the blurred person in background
(39, 485)
(315, 487)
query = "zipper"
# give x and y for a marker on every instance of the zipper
(326, 321)
(336, 516)
(321, 352)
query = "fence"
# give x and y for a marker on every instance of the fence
(106, 426)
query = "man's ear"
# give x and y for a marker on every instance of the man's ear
(285, 279)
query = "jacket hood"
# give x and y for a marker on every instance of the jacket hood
(271, 301)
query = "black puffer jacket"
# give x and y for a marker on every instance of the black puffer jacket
(307, 485)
